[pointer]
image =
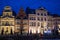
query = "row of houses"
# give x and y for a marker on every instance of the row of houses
(29, 21)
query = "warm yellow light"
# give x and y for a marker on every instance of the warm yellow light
(59, 26)
(34, 31)
(44, 24)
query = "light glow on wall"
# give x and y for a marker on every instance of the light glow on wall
(59, 26)
(47, 31)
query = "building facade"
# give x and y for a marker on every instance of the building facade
(37, 21)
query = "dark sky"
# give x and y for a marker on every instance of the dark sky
(52, 6)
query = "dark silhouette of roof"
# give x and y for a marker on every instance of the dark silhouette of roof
(56, 15)
(53, 15)
(30, 11)
(42, 8)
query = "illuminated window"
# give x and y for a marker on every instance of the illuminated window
(32, 23)
(3, 23)
(41, 25)
(24, 22)
(7, 23)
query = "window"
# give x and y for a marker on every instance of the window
(41, 14)
(41, 19)
(11, 23)
(32, 23)
(38, 14)
(45, 19)
(48, 25)
(2, 22)
(32, 18)
(41, 25)
(38, 18)
(7, 23)
(44, 14)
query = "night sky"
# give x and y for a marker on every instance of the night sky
(52, 6)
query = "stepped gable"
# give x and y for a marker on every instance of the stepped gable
(21, 13)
